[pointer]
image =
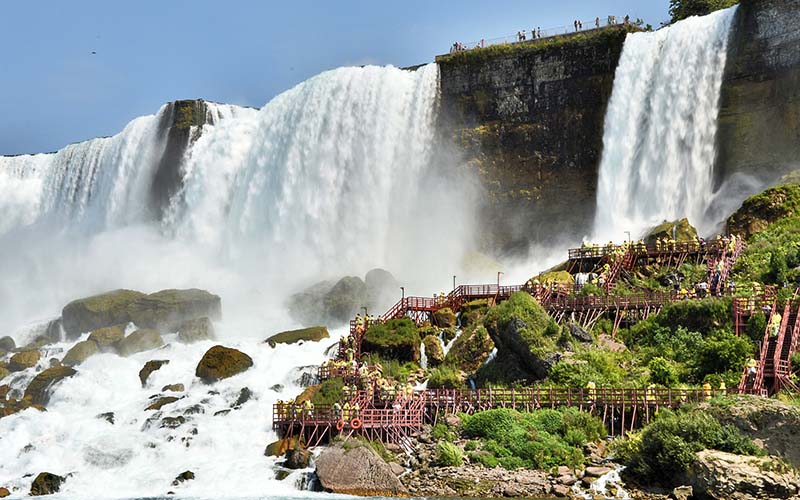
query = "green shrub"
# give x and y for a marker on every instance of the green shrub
(662, 372)
(591, 426)
(604, 368)
(490, 424)
(330, 391)
(393, 369)
(669, 445)
(448, 454)
(484, 458)
(441, 432)
(396, 339)
(471, 446)
(444, 377)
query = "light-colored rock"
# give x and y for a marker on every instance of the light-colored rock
(727, 476)
(107, 338)
(23, 360)
(167, 309)
(357, 471)
(80, 352)
(195, 330)
(141, 340)
(42, 384)
(681, 493)
(173, 388)
(98, 311)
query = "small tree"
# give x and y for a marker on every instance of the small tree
(662, 372)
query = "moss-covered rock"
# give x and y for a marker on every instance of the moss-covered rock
(397, 339)
(141, 340)
(80, 352)
(763, 209)
(150, 367)
(683, 231)
(344, 300)
(195, 330)
(23, 360)
(562, 277)
(161, 402)
(4, 372)
(221, 362)
(470, 350)
(312, 334)
(472, 312)
(278, 448)
(167, 309)
(42, 384)
(7, 344)
(444, 318)
(433, 351)
(107, 338)
(522, 329)
(46, 484)
(98, 311)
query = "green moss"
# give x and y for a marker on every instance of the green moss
(329, 392)
(312, 334)
(682, 230)
(433, 351)
(397, 339)
(540, 331)
(185, 115)
(445, 377)
(470, 350)
(449, 454)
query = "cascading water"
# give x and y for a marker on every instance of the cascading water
(325, 179)
(660, 126)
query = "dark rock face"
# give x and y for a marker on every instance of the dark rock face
(343, 301)
(7, 344)
(358, 471)
(149, 368)
(529, 121)
(759, 124)
(91, 313)
(39, 389)
(183, 477)
(46, 484)
(297, 459)
(167, 309)
(222, 362)
(580, 334)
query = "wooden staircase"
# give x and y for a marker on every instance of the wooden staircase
(774, 365)
(624, 261)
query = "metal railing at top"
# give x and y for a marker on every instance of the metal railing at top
(533, 34)
(595, 251)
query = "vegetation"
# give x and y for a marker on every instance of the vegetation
(396, 339)
(329, 392)
(541, 439)
(665, 449)
(448, 454)
(681, 9)
(539, 332)
(445, 377)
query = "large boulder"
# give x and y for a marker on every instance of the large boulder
(167, 309)
(195, 330)
(23, 360)
(7, 344)
(682, 230)
(42, 384)
(723, 476)
(396, 339)
(52, 331)
(141, 340)
(108, 337)
(306, 307)
(297, 459)
(761, 210)
(46, 484)
(221, 362)
(444, 318)
(470, 350)
(382, 289)
(278, 448)
(91, 313)
(357, 471)
(150, 367)
(345, 299)
(80, 352)
(312, 334)
(433, 351)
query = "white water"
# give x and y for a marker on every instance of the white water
(334, 176)
(660, 127)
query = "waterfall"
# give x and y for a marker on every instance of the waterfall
(660, 127)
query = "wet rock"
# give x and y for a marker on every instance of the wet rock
(682, 493)
(23, 360)
(279, 388)
(397, 469)
(433, 351)
(46, 484)
(720, 475)
(141, 340)
(4, 389)
(7, 344)
(4, 492)
(173, 388)
(763, 209)
(53, 362)
(357, 471)
(53, 331)
(345, 299)
(244, 396)
(221, 362)
(183, 477)
(195, 330)
(4, 372)
(168, 309)
(108, 417)
(444, 318)
(194, 410)
(91, 313)
(280, 447)
(149, 368)
(172, 422)
(80, 352)
(682, 230)
(596, 471)
(222, 413)
(161, 402)
(42, 384)
(108, 337)
(580, 334)
(311, 334)
(297, 459)
(12, 406)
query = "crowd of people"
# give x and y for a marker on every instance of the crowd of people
(536, 33)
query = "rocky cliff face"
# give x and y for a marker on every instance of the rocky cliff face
(529, 119)
(759, 120)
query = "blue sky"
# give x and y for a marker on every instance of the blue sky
(54, 91)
